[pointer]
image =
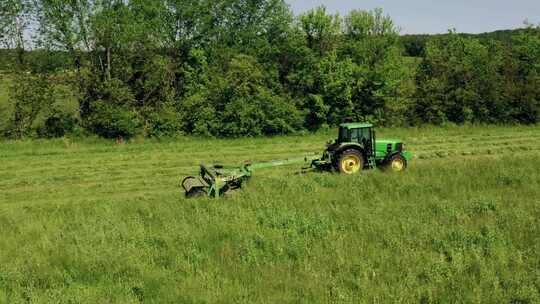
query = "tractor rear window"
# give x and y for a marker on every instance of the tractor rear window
(343, 135)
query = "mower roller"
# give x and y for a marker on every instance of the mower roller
(355, 149)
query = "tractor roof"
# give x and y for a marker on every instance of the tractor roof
(356, 125)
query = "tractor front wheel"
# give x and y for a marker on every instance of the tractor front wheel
(397, 163)
(351, 162)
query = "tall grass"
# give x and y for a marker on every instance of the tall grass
(95, 222)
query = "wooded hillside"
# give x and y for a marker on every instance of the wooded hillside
(236, 68)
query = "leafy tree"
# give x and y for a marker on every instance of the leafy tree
(15, 20)
(522, 77)
(322, 31)
(362, 24)
(57, 125)
(335, 81)
(236, 68)
(66, 25)
(30, 95)
(381, 87)
(238, 103)
(459, 82)
(110, 113)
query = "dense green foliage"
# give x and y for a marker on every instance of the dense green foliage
(236, 68)
(95, 221)
(415, 44)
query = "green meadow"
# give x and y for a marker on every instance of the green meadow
(95, 221)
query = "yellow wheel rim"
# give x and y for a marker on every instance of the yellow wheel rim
(398, 165)
(351, 164)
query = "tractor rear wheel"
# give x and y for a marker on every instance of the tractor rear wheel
(397, 163)
(351, 162)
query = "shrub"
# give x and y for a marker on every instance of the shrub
(463, 80)
(163, 123)
(113, 121)
(58, 125)
(239, 102)
(108, 108)
(30, 95)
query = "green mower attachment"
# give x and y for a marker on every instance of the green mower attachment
(215, 181)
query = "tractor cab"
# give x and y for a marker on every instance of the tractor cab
(361, 134)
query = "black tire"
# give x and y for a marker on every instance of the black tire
(397, 163)
(350, 162)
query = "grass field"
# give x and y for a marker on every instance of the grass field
(98, 222)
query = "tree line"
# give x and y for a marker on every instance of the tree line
(246, 68)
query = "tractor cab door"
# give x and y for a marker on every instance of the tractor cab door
(365, 137)
(372, 142)
(344, 135)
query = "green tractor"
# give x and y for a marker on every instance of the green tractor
(355, 149)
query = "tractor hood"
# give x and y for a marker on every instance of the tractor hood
(383, 143)
(395, 145)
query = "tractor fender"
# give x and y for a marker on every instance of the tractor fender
(349, 147)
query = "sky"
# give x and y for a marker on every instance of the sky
(438, 16)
